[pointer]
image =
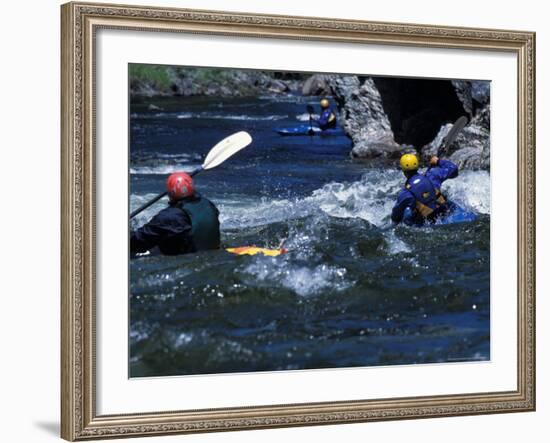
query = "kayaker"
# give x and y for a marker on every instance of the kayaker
(421, 200)
(327, 119)
(189, 224)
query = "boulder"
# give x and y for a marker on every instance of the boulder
(471, 148)
(473, 94)
(363, 118)
(152, 107)
(278, 86)
(317, 84)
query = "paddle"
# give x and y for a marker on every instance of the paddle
(217, 155)
(451, 135)
(310, 111)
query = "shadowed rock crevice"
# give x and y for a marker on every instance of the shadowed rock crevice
(417, 108)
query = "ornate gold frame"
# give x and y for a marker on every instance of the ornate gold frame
(80, 21)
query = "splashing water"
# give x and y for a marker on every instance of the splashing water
(305, 117)
(304, 280)
(471, 190)
(371, 199)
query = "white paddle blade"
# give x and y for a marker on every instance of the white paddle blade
(226, 148)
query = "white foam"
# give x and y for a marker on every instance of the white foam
(184, 338)
(136, 200)
(244, 117)
(395, 245)
(371, 198)
(165, 169)
(304, 281)
(207, 115)
(471, 190)
(305, 117)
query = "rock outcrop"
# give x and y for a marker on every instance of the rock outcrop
(385, 117)
(317, 84)
(472, 147)
(363, 118)
(473, 94)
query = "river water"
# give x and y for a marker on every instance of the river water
(353, 289)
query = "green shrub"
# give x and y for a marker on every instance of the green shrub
(156, 76)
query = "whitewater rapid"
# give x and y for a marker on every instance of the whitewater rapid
(370, 198)
(351, 281)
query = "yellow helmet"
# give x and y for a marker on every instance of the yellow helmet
(324, 103)
(409, 162)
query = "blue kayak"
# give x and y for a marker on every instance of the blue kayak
(309, 130)
(456, 215)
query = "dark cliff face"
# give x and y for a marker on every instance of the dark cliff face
(417, 108)
(472, 147)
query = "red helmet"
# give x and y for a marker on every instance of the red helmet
(179, 185)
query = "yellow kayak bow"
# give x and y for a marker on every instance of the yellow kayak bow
(253, 250)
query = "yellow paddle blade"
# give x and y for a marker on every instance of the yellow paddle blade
(253, 250)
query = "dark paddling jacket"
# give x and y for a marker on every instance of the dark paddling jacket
(421, 200)
(327, 119)
(188, 225)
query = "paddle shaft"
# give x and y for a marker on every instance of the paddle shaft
(158, 197)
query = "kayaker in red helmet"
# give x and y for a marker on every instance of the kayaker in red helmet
(190, 223)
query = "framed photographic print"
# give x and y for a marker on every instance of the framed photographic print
(281, 221)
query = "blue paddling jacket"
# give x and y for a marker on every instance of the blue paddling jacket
(187, 225)
(327, 119)
(421, 200)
